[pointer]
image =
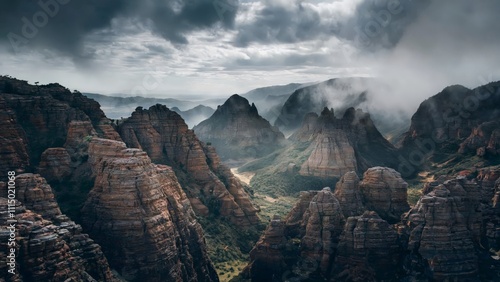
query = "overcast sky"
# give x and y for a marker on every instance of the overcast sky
(211, 48)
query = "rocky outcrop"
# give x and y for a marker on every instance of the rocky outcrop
(293, 220)
(267, 257)
(452, 233)
(38, 117)
(484, 140)
(138, 212)
(332, 156)
(338, 146)
(439, 241)
(36, 195)
(368, 250)
(55, 164)
(341, 93)
(385, 192)
(348, 192)
(49, 246)
(50, 251)
(323, 222)
(210, 185)
(14, 149)
(237, 131)
(456, 120)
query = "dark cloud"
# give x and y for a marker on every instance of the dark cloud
(286, 23)
(63, 24)
(375, 23)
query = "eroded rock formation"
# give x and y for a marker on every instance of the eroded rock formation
(268, 255)
(210, 186)
(49, 246)
(337, 146)
(348, 193)
(439, 238)
(140, 215)
(237, 131)
(385, 192)
(368, 249)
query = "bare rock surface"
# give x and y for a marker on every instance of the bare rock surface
(140, 215)
(210, 185)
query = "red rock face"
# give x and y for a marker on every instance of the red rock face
(55, 164)
(37, 118)
(210, 186)
(385, 192)
(348, 192)
(440, 238)
(323, 222)
(446, 235)
(340, 145)
(36, 195)
(484, 140)
(50, 247)
(14, 149)
(138, 212)
(368, 249)
(267, 256)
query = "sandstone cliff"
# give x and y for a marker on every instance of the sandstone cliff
(237, 131)
(368, 250)
(451, 233)
(385, 192)
(341, 145)
(50, 247)
(210, 186)
(139, 214)
(439, 238)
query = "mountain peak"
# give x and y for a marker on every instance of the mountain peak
(237, 104)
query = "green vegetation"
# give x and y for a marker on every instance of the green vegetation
(414, 193)
(229, 245)
(277, 174)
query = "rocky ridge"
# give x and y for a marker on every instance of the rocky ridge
(446, 235)
(210, 185)
(342, 145)
(50, 247)
(138, 212)
(237, 131)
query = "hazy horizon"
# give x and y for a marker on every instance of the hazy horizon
(207, 49)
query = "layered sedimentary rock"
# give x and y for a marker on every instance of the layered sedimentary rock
(55, 164)
(337, 146)
(36, 195)
(138, 212)
(484, 140)
(268, 258)
(210, 185)
(323, 222)
(368, 249)
(294, 218)
(49, 246)
(385, 192)
(439, 240)
(348, 192)
(237, 131)
(36, 118)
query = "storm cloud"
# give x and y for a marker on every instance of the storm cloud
(63, 25)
